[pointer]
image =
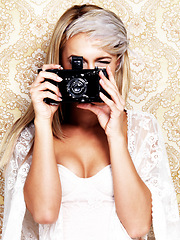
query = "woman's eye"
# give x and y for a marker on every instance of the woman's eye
(104, 62)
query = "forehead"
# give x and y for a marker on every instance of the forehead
(82, 44)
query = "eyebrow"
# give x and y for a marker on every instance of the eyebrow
(98, 59)
(105, 57)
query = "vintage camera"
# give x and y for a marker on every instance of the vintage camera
(78, 85)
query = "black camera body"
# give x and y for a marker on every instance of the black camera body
(78, 85)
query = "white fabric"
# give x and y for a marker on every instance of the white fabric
(87, 210)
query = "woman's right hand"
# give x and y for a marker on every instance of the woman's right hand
(38, 92)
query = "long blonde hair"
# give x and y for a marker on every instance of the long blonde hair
(97, 23)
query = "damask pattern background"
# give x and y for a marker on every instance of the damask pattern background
(154, 32)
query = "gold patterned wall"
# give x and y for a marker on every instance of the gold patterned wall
(154, 32)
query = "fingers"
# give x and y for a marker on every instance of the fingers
(51, 66)
(111, 77)
(113, 107)
(102, 112)
(40, 92)
(47, 86)
(47, 75)
(88, 106)
(41, 89)
(111, 88)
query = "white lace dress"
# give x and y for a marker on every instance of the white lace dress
(87, 210)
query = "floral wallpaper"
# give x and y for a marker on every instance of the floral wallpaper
(154, 32)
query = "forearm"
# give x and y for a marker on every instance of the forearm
(132, 197)
(42, 189)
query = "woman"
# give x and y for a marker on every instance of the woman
(87, 171)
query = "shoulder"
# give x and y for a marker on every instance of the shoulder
(142, 120)
(142, 128)
(25, 140)
(27, 133)
(20, 152)
(140, 115)
(144, 135)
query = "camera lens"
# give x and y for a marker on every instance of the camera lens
(76, 87)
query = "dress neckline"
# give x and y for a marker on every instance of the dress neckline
(82, 178)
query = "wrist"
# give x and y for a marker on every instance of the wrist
(119, 140)
(43, 122)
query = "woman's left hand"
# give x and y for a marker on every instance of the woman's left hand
(111, 113)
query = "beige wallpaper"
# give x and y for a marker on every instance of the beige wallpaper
(154, 31)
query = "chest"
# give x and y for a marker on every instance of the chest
(82, 153)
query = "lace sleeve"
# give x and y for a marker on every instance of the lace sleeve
(152, 165)
(15, 175)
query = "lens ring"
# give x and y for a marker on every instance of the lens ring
(77, 87)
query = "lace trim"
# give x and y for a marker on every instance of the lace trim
(16, 167)
(147, 151)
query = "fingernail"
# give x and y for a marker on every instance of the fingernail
(59, 67)
(59, 78)
(101, 73)
(101, 81)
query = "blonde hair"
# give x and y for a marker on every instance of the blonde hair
(98, 23)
